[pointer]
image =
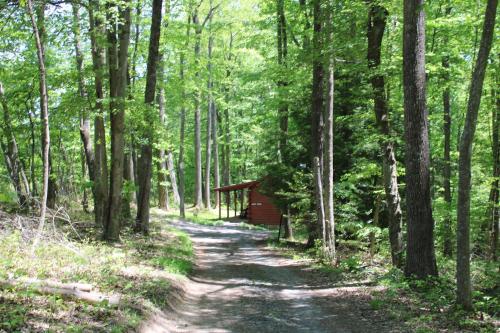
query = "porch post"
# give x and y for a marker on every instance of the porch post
(228, 200)
(235, 202)
(220, 212)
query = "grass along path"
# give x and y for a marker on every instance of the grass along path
(139, 269)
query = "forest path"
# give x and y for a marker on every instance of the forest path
(240, 285)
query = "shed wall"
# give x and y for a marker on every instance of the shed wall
(261, 210)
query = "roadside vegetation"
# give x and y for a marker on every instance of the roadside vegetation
(134, 276)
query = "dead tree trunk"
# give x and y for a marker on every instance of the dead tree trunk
(420, 257)
(376, 25)
(464, 288)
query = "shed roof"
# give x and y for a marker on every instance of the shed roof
(236, 187)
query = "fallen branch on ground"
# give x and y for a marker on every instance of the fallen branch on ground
(79, 291)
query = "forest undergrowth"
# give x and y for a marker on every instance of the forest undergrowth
(133, 276)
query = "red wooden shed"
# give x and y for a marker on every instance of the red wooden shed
(254, 206)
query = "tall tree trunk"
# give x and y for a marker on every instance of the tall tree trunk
(210, 110)
(329, 241)
(447, 246)
(495, 197)
(100, 184)
(317, 124)
(215, 144)
(52, 185)
(197, 114)
(11, 152)
(464, 289)
(84, 115)
(31, 116)
(173, 178)
(44, 107)
(226, 148)
(182, 133)
(283, 105)
(420, 256)
(377, 19)
(118, 42)
(128, 179)
(146, 159)
(163, 202)
(163, 197)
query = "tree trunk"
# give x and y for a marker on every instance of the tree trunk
(210, 110)
(128, 180)
(11, 152)
(100, 185)
(329, 241)
(376, 26)
(31, 116)
(182, 129)
(162, 164)
(282, 44)
(84, 115)
(464, 289)
(117, 62)
(146, 159)
(215, 143)
(420, 257)
(173, 178)
(495, 211)
(52, 185)
(317, 124)
(44, 107)
(197, 114)
(447, 246)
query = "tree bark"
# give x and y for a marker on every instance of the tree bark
(146, 159)
(163, 196)
(317, 123)
(447, 245)
(210, 110)
(100, 184)
(197, 113)
(52, 185)
(182, 133)
(118, 43)
(495, 190)
(420, 256)
(84, 115)
(44, 107)
(377, 19)
(464, 288)
(282, 44)
(329, 241)
(215, 143)
(11, 152)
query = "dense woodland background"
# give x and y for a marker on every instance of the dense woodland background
(375, 125)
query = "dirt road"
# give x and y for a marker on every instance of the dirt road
(239, 285)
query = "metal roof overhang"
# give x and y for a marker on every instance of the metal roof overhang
(236, 187)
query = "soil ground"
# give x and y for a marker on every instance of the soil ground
(240, 285)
